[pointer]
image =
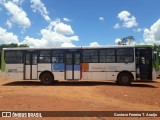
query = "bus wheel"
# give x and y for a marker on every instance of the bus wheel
(124, 79)
(47, 78)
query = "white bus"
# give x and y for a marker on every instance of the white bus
(122, 64)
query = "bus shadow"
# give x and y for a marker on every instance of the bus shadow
(143, 86)
(144, 81)
(23, 83)
(80, 83)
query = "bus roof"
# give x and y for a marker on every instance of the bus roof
(143, 45)
(84, 47)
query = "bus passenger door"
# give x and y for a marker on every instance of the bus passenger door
(72, 66)
(31, 65)
(144, 63)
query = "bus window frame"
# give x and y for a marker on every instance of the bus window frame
(22, 57)
(44, 56)
(62, 57)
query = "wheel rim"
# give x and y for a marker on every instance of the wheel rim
(46, 79)
(125, 79)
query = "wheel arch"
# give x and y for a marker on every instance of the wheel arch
(125, 71)
(44, 72)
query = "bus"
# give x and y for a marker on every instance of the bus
(121, 64)
(147, 62)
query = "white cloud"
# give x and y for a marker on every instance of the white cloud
(117, 40)
(37, 5)
(53, 36)
(65, 44)
(101, 18)
(2, 2)
(67, 19)
(50, 39)
(138, 29)
(117, 26)
(17, 1)
(17, 15)
(127, 19)
(9, 24)
(7, 37)
(53, 24)
(152, 35)
(63, 29)
(60, 27)
(94, 44)
(32, 42)
(56, 34)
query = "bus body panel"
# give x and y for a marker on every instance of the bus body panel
(35, 73)
(58, 67)
(86, 75)
(14, 67)
(106, 71)
(15, 76)
(99, 76)
(111, 67)
(44, 67)
(27, 71)
(15, 71)
(31, 72)
(112, 76)
(73, 67)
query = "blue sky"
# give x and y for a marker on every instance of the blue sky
(63, 23)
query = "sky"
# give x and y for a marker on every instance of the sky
(70, 23)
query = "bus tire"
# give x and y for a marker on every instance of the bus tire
(47, 78)
(124, 79)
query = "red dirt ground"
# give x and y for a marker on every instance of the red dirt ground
(79, 96)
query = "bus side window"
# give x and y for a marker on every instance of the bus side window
(45, 56)
(90, 56)
(12, 57)
(28, 59)
(107, 56)
(125, 55)
(57, 56)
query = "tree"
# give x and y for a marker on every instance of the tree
(23, 45)
(126, 41)
(12, 45)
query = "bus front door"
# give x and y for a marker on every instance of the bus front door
(72, 66)
(144, 63)
(31, 66)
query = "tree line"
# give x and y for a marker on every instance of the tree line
(12, 45)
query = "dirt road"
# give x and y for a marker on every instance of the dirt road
(80, 96)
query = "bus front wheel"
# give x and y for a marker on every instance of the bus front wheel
(124, 79)
(47, 78)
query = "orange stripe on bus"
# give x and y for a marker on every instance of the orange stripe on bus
(85, 66)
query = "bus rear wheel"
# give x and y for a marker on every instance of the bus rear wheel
(124, 79)
(47, 78)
